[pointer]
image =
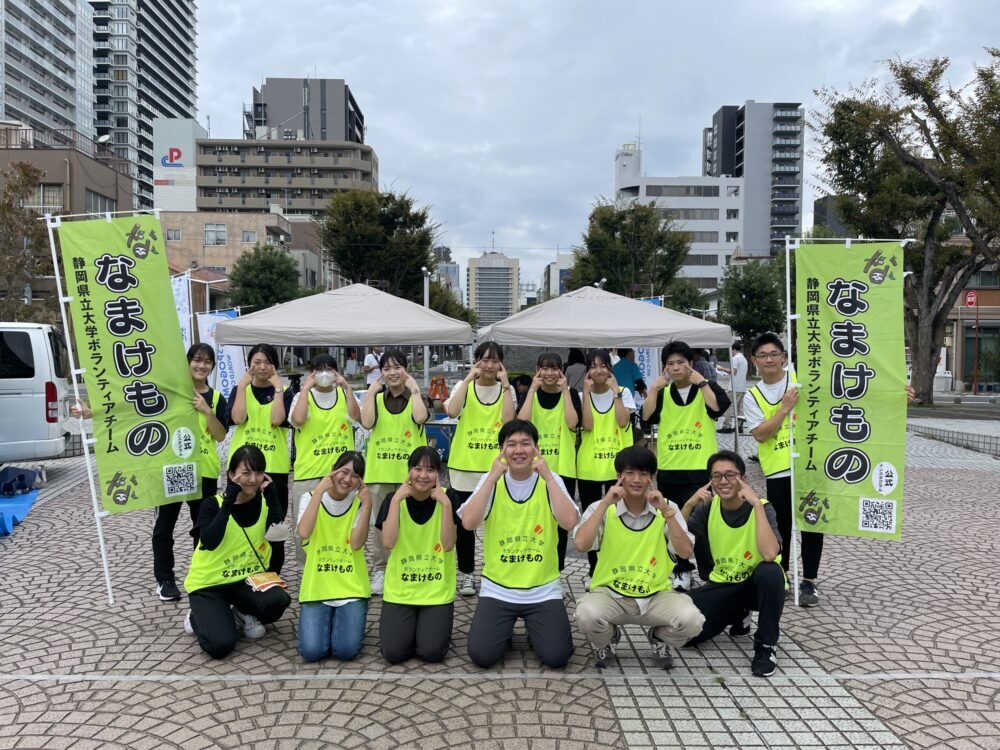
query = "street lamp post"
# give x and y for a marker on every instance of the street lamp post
(427, 349)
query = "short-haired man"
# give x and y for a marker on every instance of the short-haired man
(738, 551)
(371, 366)
(686, 406)
(638, 533)
(520, 503)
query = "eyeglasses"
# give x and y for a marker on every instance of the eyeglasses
(769, 355)
(729, 476)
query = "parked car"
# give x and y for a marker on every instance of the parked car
(34, 391)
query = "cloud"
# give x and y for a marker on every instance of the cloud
(505, 116)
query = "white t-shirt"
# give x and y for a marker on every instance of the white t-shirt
(335, 508)
(754, 416)
(604, 401)
(371, 360)
(467, 481)
(520, 490)
(739, 372)
(323, 399)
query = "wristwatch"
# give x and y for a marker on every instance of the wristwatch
(703, 383)
(618, 395)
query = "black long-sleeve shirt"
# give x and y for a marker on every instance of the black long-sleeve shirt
(212, 519)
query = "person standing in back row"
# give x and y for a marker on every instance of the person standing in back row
(686, 405)
(483, 403)
(371, 365)
(737, 371)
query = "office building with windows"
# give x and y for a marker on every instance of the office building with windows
(708, 209)
(493, 283)
(304, 109)
(46, 65)
(144, 68)
(763, 144)
(555, 275)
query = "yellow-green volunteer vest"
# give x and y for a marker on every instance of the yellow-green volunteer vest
(257, 430)
(208, 455)
(595, 461)
(734, 551)
(686, 438)
(633, 563)
(420, 572)
(332, 569)
(775, 453)
(475, 443)
(519, 539)
(238, 555)
(556, 441)
(394, 437)
(326, 434)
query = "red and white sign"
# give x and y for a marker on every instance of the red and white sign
(970, 299)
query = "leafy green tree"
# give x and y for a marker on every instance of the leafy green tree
(683, 296)
(379, 237)
(24, 249)
(752, 298)
(635, 248)
(444, 302)
(264, 277)
(920, 158)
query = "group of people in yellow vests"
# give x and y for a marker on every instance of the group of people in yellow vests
(649, 522)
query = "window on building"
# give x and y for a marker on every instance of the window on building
(733, 191)
(732, 236)
(703, 282)
(703, 236)
(985, 278)
(696, 259)
(249, 236)
(215, 234)
(99, 204)
(690, 214)
(173, 235)
(48, 196)
(732, 213)
(683, 191)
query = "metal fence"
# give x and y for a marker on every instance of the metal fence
(988, 444)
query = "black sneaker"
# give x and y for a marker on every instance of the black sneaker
(808, 595)
(764, 661)
(726, 430)
(605, 654)
(168, 591)
(755, 459)
(742, 627)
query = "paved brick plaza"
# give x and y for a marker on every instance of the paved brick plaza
(865, 669)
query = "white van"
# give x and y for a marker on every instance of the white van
(34, 391)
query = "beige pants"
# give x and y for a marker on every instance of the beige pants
(673, 616)
(380, 555)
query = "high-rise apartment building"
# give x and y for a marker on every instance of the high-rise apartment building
(762, 143)
(304, 109)
(708, 209)
(493, 283)
(46, 65)
(555, 274)
(144, 68)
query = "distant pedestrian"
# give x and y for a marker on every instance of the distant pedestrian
(371, 366)
(737, 372)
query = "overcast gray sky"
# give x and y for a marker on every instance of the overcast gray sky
(505, 116)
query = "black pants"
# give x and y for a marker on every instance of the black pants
(563, 535)
(592, 491)
(724, 604)
(465, 541)
(547, 624)
(779, 494)
(679, 491)
(406, 631)
(163, 529)
(212, 619)
(278, 548)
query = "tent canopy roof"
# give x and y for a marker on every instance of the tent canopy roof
(355, 315)
(591, 317)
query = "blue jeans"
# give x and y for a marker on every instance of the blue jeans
(325, 630)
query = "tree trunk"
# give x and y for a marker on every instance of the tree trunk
(925, 345)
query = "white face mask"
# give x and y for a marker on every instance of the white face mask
(324, 378)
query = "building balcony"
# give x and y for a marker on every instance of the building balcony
(784, 195)
(784, 168)
(780, 236)
(787, 114)
(786, 142)
(792, 181)
(783, 222)
(785, 128)
(784, 209)
(786, 155)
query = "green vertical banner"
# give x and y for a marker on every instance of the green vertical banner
(129, 344)
(850, 428)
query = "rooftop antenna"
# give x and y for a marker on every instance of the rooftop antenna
(208, 121)
(493, 241)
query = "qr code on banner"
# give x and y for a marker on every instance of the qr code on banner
(180, 479)
(877, 515)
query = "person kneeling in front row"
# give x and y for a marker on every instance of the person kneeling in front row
(521, 504)
(232, 547)
(738, 553)
(639, 534)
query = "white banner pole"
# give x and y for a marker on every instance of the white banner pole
(51, 225)
(793, 561)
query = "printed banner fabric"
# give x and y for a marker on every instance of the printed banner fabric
(127, 335)
(224, 376)
(648, 357)
(850, 427)
(181, 286)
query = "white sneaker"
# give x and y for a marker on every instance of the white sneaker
(467, 585)
(249, 625)
(683, 580)
(586, 583)
(188, 628)
(378, 582)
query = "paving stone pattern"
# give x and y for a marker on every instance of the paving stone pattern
(927, 605)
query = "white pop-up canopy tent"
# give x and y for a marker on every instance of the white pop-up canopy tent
(591, 317)
(355, 315)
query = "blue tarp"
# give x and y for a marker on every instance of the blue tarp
(14, 509)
